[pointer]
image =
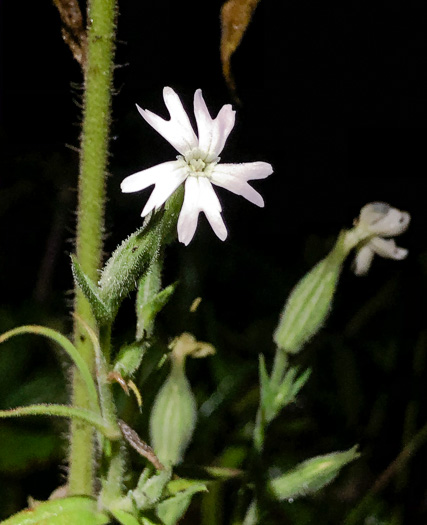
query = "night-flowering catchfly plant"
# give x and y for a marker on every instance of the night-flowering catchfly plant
(102, 484)
(197, 165)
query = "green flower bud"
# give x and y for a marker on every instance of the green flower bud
(173, 417)
(310, 301)
(135, 255)
(311, 475)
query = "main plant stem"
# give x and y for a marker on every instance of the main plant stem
(98, 75)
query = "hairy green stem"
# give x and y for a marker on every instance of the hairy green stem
(90, 224)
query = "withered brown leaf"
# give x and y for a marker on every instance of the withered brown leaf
(235, 18)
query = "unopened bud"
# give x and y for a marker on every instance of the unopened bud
(310, 301)
(311, 475)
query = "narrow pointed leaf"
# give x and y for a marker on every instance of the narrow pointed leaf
(68, 347)
(91, 291)
(62, 411)
(172, 509)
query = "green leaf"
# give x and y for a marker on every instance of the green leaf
(100, 309)
(68, 347)
(76, 510)
(125, 518)
(172, 509)
(148, 287)
(290, 387)
(148, 310)
(63, 411)
(252, 514)
(268, 392)
(311, 475)
(150, 489)
(129, 358)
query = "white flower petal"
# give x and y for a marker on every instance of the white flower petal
(142, 179)
(234, 177)
(211, 207)
(178, 130)
(166, 184)
(188, 218)
(380, 218)
(237, 186)
(246, 170)
(213, 133)
(387, 248)
(362, 261)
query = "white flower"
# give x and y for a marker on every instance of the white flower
(197, 165)
(376, 221)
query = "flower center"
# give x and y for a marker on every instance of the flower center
(197, 165)
(196, 162)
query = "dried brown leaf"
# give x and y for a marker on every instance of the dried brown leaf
(235, 18)
(73, 31)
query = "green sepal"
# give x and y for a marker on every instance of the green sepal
(80, 510)
(310, 301)
(91, 291)
(129, 358)
(172, 509)
(311, 475)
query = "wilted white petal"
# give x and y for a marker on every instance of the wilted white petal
(387, 248)
(380, 218)
(178, 130)
(211, 207)
(166, 184)
(213, 133)
(142, 179)
(362, 261)
(187, 222)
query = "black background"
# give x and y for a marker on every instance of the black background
(335, 98)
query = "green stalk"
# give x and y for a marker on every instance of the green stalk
(90, 223)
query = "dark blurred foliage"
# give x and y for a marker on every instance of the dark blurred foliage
(335, 97)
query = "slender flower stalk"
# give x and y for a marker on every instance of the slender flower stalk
(197, 165)
(90, 224)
